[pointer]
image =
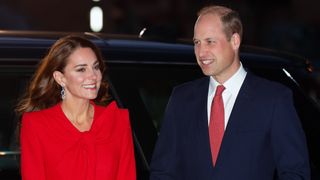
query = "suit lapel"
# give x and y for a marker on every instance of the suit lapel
(241, 107)
(202, 130)
(201, 106)
(242, 103)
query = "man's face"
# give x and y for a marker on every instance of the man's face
(216, 55)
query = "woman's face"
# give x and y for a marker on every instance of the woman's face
(82, 75)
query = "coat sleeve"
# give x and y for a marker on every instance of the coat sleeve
(127, 167)
(164, 159)
(32, 164)
(288, 141)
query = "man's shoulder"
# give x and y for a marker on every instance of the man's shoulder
(204, 81)
(191, 89)
(266, 85)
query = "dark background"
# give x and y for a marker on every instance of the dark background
(289, 25)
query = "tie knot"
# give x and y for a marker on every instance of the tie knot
(219, 90)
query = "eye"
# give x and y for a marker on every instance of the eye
(210, 41)
(81, 70)
(196, 42)
(97, 67)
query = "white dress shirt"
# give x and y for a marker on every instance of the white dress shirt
(229, 95)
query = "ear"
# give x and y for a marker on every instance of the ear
(59, 78)
(235, 41)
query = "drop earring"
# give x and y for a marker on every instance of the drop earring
(63, 93)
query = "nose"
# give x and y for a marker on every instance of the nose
(93, 74)
(201, 50)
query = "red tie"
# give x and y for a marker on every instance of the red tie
(216, 125)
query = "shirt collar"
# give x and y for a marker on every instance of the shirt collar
(233, 84)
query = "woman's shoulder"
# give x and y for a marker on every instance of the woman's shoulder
(113, 112)
(51, 109)
(112, 107)
(39, 115)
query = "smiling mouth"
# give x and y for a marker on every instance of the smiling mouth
(206, 61)
(89, 86)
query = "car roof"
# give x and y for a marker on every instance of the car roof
(33, 45)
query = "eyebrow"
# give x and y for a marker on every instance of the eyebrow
(209, 38)
(83, 65)
(80, 65)
(206, 39)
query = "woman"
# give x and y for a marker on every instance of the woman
(64, 134)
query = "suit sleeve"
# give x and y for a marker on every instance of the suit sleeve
(127, 168)
(32, 164)
(288, 141)
(164, 160)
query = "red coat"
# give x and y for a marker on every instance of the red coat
(53, 149)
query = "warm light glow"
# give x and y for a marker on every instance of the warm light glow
(96, 19)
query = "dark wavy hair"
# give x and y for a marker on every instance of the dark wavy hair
(43, 91)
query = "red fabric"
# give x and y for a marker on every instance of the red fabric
(216, 125)
(53, 149)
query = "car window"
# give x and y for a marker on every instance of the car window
(13, 85)
(153, 84)
(145, 89)
(13, 80)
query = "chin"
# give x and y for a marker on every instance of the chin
(207, 73)
(91, 97)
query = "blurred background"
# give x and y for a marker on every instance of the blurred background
(287, 25)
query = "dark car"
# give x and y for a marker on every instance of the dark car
(142, 73)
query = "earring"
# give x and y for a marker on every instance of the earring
(63, 93)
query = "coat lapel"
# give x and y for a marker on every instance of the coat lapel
(201, 107)
(202, 130)
(241, 107)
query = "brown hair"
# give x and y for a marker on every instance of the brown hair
(43, 91)
(230, 19)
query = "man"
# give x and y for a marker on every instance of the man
(251, 132)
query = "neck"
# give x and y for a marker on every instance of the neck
(78, 112)
(222, 78)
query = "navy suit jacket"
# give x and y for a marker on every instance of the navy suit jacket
(263, 138)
